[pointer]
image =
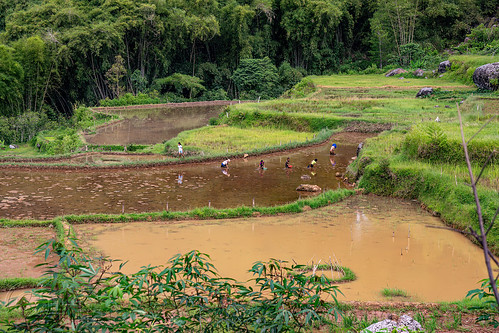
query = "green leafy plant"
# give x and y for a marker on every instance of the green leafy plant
(83, 294)
(287, 301)
(489, 309)
(394, 292)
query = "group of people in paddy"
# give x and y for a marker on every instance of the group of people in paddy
(287, 164)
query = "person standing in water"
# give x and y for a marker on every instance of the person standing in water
(262, 164)
(180, 150)
(312, 164)
(287, 165)
(332, 150)
(225, 164)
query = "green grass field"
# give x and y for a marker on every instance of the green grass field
(377, 80)
(221, 139)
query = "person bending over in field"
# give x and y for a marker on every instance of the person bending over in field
(332, 150)
(312, 164)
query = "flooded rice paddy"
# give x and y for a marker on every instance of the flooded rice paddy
(150, 126)
(43, 194)
(388, 243)
(100, 159)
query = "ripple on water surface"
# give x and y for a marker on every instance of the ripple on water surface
(386, 242)
(48, 193)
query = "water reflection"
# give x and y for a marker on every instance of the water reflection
(43, 194)
(150, 126)
(390, 246)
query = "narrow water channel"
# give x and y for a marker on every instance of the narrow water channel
(388, 243)
(43, 194)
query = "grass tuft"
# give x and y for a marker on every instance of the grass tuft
(393, 292)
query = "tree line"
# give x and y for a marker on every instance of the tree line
(55, 54)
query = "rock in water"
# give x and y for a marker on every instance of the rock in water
(308, 188)
(443, 66)
(487, 76)
(404, 324)
(423, 92)
(396, 71)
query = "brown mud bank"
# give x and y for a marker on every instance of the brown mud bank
(76, 156)
(168, 105)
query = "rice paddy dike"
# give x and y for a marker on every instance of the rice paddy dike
(411, 156)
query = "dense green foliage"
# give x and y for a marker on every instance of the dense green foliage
(79, 293)
(57, 53)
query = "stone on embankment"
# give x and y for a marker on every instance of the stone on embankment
(404, 324)
(487, 76)
(308, 188)
(423, 92)
(443, 66)
(396, 71)
(418, 72)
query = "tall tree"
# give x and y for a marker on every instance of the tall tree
(311, 31)
(256, 78)
(396, 20)
(115, 76)
(11, 76)
(33, 55)
(235, 29)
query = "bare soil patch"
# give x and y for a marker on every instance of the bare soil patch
(17, 247)
(363, 127)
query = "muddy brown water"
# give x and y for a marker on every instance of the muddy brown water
(386, 242)
(150, 126)
(43, 194)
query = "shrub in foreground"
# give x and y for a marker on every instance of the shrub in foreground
(83, 294)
